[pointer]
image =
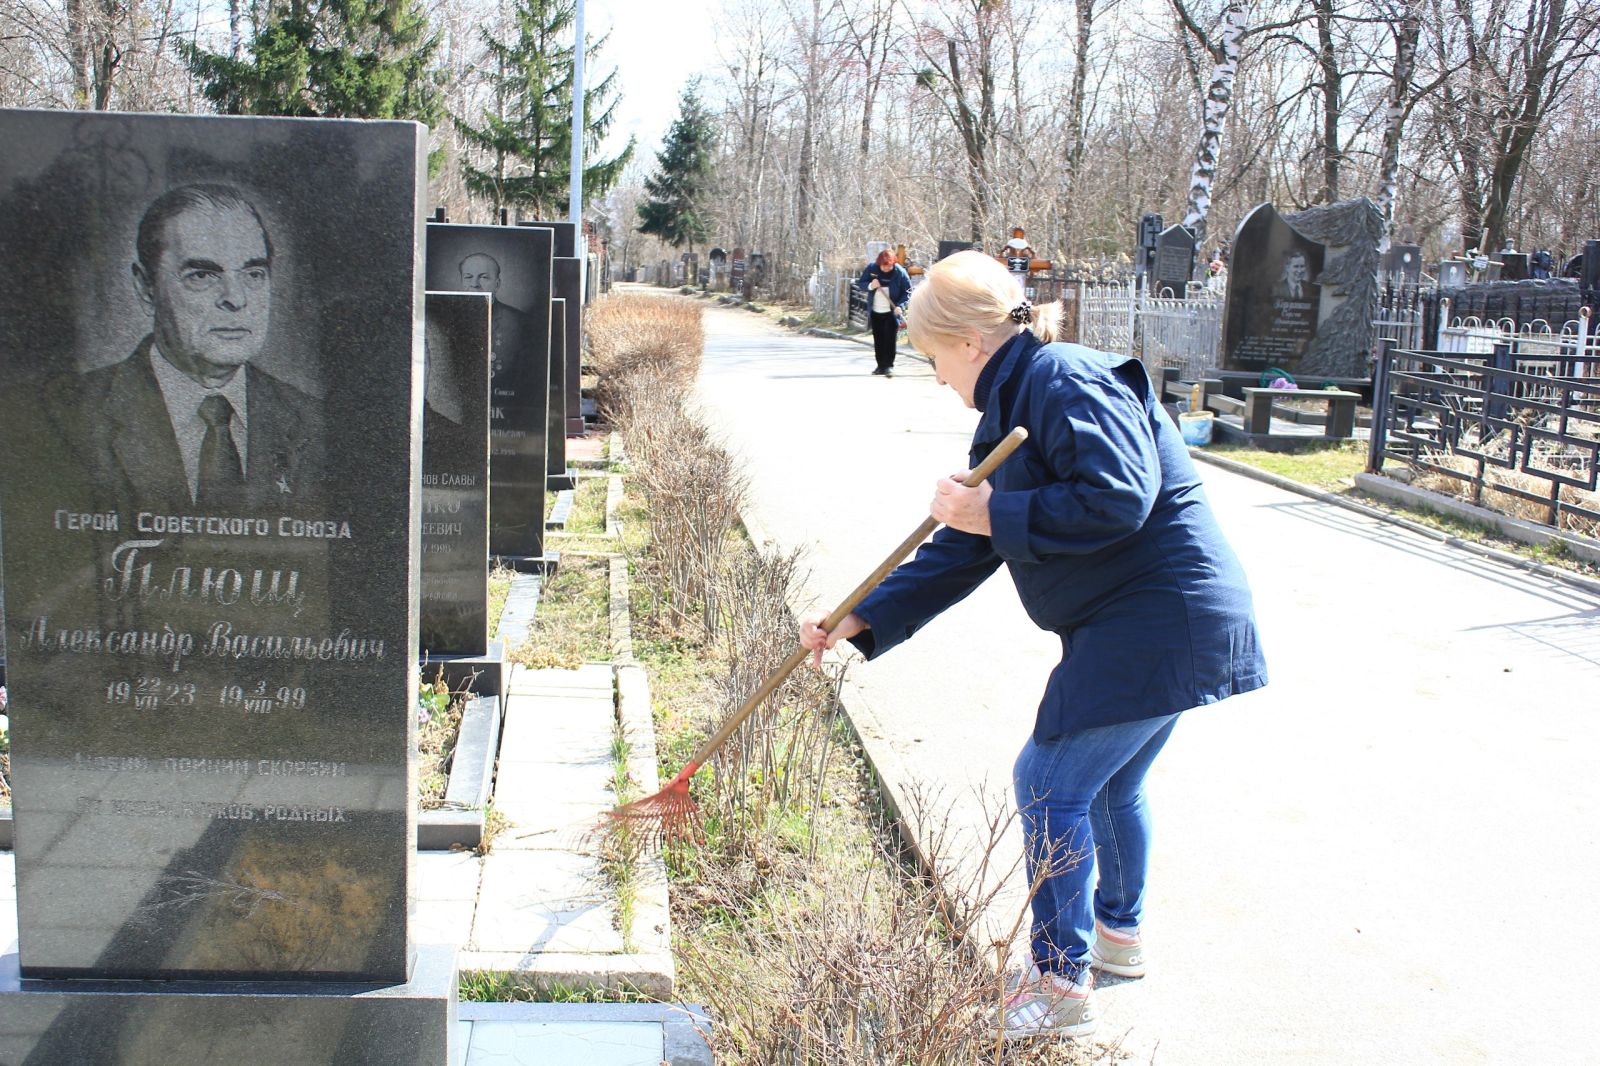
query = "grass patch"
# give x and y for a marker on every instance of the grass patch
(1332, 467)
(588, 514)
(573, 624)
(499, 986)
(620, 848)
(499, 589)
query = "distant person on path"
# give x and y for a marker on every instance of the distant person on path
(889, 287)
(1101, 519)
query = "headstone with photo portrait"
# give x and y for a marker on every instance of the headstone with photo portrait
(512, 263)
(1273, 300)
(212, 534)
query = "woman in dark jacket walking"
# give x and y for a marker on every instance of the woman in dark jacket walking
(888, 286)
(1102, 521)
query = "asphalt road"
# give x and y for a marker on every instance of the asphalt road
(1389, 855)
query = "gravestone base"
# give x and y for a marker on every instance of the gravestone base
(481, 675)
(528, 564)
(246, 1023)
(564, 481)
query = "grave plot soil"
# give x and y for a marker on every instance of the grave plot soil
(436, 747)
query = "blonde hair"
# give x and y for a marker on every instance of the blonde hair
(971, 291)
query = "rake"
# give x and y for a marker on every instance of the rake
(672, 815)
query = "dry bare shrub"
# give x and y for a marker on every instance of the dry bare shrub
(632, 336)
(694, 492)
(821, 962)
(1504, 502)
(773, 767)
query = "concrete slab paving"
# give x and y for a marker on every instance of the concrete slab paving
(1351, 865)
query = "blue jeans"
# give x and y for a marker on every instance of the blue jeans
(1084, 792)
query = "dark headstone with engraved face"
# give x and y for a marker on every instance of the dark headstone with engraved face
(1402, 265)
(1272, 300)
(512, 263)
(1172, 262)
(569, 287)
(455, 476)
(209, 425)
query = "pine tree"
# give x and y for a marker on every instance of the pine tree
(683, 176)
(330, 58)
(526, 140)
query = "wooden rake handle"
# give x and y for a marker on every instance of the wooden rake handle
(978, 476)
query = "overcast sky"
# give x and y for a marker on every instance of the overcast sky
(656, 46)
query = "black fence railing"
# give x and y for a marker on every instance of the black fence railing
(1499, 423)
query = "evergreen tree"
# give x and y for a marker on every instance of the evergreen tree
(526, 140)
(329, 58)
(678, 188)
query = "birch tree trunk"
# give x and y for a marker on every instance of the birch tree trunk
(1225, 68)
(1406, 33)
(1332, 98)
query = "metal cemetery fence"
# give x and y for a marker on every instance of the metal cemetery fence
(1107, 316)
(1183, 333)
(1523, 431)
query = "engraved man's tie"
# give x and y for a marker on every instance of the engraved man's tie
(221, 473)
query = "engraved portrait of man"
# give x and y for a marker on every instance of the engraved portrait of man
(1296, 274)
(510, 328)
(445, 432)
(189, 418)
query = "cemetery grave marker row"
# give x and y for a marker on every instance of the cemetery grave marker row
(243, 488)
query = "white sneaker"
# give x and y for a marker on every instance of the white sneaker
(1047, 1005)
(1117, 951)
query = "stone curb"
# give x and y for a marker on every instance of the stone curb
(684, 1025)
(1578, 581)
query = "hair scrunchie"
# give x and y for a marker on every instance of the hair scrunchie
(1022, 314)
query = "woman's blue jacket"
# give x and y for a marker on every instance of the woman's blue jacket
(1102, 521)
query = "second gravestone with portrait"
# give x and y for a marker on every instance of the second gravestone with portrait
(513, 265)
(211, 555)
(1303, 293)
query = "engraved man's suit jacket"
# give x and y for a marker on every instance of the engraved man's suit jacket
(123, 426)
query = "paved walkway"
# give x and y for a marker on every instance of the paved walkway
(1387, 856)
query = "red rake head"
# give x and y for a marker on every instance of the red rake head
(668, 817)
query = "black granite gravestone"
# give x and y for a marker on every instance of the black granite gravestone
(455, 476)
(560, 477)
(1402, 264)
(566, 237)
(1145, 236)
(209, 425)
(569, 287)
(1172, 263)
(2, 613)
(1452, 273)
(949, 248)
(513, 263)
(566, 387)
(1513, 266)
(1272, 300)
